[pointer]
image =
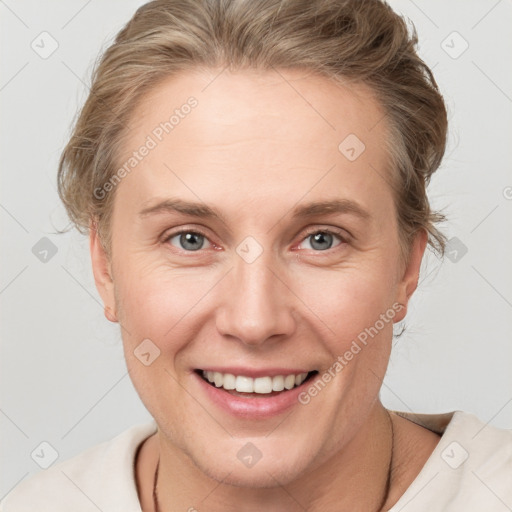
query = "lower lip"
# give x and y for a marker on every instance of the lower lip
(253, 407)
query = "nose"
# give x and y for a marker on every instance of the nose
(258, 304)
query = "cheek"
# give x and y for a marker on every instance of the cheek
(349, 301)
(156, 301)
(157, 308)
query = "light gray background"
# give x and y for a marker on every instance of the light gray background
(63, 377)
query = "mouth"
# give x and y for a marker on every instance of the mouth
(264, 386)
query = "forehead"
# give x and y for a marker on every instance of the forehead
(229, 100)
(288, 133)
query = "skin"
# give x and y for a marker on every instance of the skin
(256, 146)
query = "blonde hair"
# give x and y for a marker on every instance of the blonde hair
(358, 40)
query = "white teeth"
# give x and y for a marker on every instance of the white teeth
(229, 381)
(278, 383)
(218, 379)
(299, 379)
(244, 384)
(261, 385)
(289, 381)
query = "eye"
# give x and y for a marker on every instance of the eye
(188, 240)
(322, 240)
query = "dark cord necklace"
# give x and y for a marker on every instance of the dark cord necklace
(387, 488)
(156, 505)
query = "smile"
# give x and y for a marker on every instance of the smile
(261, 385)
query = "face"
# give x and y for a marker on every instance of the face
(254, 245)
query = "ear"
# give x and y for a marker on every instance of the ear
(411, 273)
(102, 270)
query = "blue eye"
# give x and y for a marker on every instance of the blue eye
(322, 240)
(188, 240)
(192, 241)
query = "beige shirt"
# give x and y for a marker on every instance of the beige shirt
(470, 470)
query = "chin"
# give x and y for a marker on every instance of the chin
(264, 474)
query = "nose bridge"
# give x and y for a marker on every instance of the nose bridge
(257, 305)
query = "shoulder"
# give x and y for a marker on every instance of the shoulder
(470, 469)
(101, 477)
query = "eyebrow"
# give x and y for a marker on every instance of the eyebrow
(179, 206)
(335, 206)
(313, 209)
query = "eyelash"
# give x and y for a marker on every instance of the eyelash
(330, 231)
(336, 233)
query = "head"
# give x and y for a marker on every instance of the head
(305, 133)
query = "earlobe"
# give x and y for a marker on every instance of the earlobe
(109, 314)
(411, 273)
(102, 271)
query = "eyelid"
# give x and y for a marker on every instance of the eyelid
(341, 234)
(166, 237)
(331, 230)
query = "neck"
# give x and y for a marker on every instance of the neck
(358, 474)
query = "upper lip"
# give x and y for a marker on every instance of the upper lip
(255, 372)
